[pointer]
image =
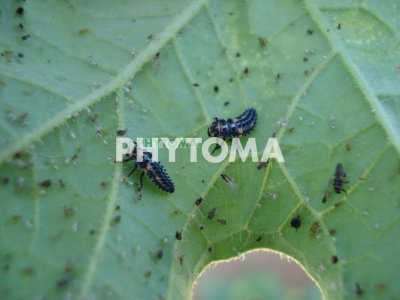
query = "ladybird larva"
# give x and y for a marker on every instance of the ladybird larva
(154, 170)
(237, 127)
(339, 179)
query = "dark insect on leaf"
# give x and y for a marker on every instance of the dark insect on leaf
(211, 213)
(296, 222)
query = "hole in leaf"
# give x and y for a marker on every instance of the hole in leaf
(261, 274)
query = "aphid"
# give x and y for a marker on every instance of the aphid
(19, 11)
(296, 222)
(211, 213)
(338, 179)
(262, 41)
(337, 204)
(326, 196)
(334, 259)
(359, 290)
(15, 219)
(314, 229)
(68, 211)
(262, 165)
(178, 235)
(68, 267)
(246, 71)
(18, 155)
(221, 221)
(216, 88)
(63, 282)
(154, 170)
(147, 274)
(198, 201)
(180, 258)
(46, 183)
(103, 184)
(259, 239)
(156, 59)
(228, 180)
(116, 219)
(121, 132)
(160, 254)
(61, 182)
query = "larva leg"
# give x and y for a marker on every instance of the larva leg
(134, 169)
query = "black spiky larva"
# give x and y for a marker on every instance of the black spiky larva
(339, 179)
(237, 127)
(154, 170)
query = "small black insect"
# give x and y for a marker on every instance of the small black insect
(180, 258)
(326, 196)
(221, 221)
(296, 222)
(262, 165)
(153, 169)
(338, 179)
(121, 132)
(178, 235)
(359, 290)
(160, 254)
(63, 282)
(211, 213)
(20, 11)
(198, 201)
(334, 259)
(230, 128)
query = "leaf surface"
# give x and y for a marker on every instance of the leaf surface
(323, 76)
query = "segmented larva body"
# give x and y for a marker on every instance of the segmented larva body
(339, 179)
(237, 127)
(153, 169)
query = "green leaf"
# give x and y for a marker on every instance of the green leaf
(323, 76)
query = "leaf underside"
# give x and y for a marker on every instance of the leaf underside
(323, 76)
